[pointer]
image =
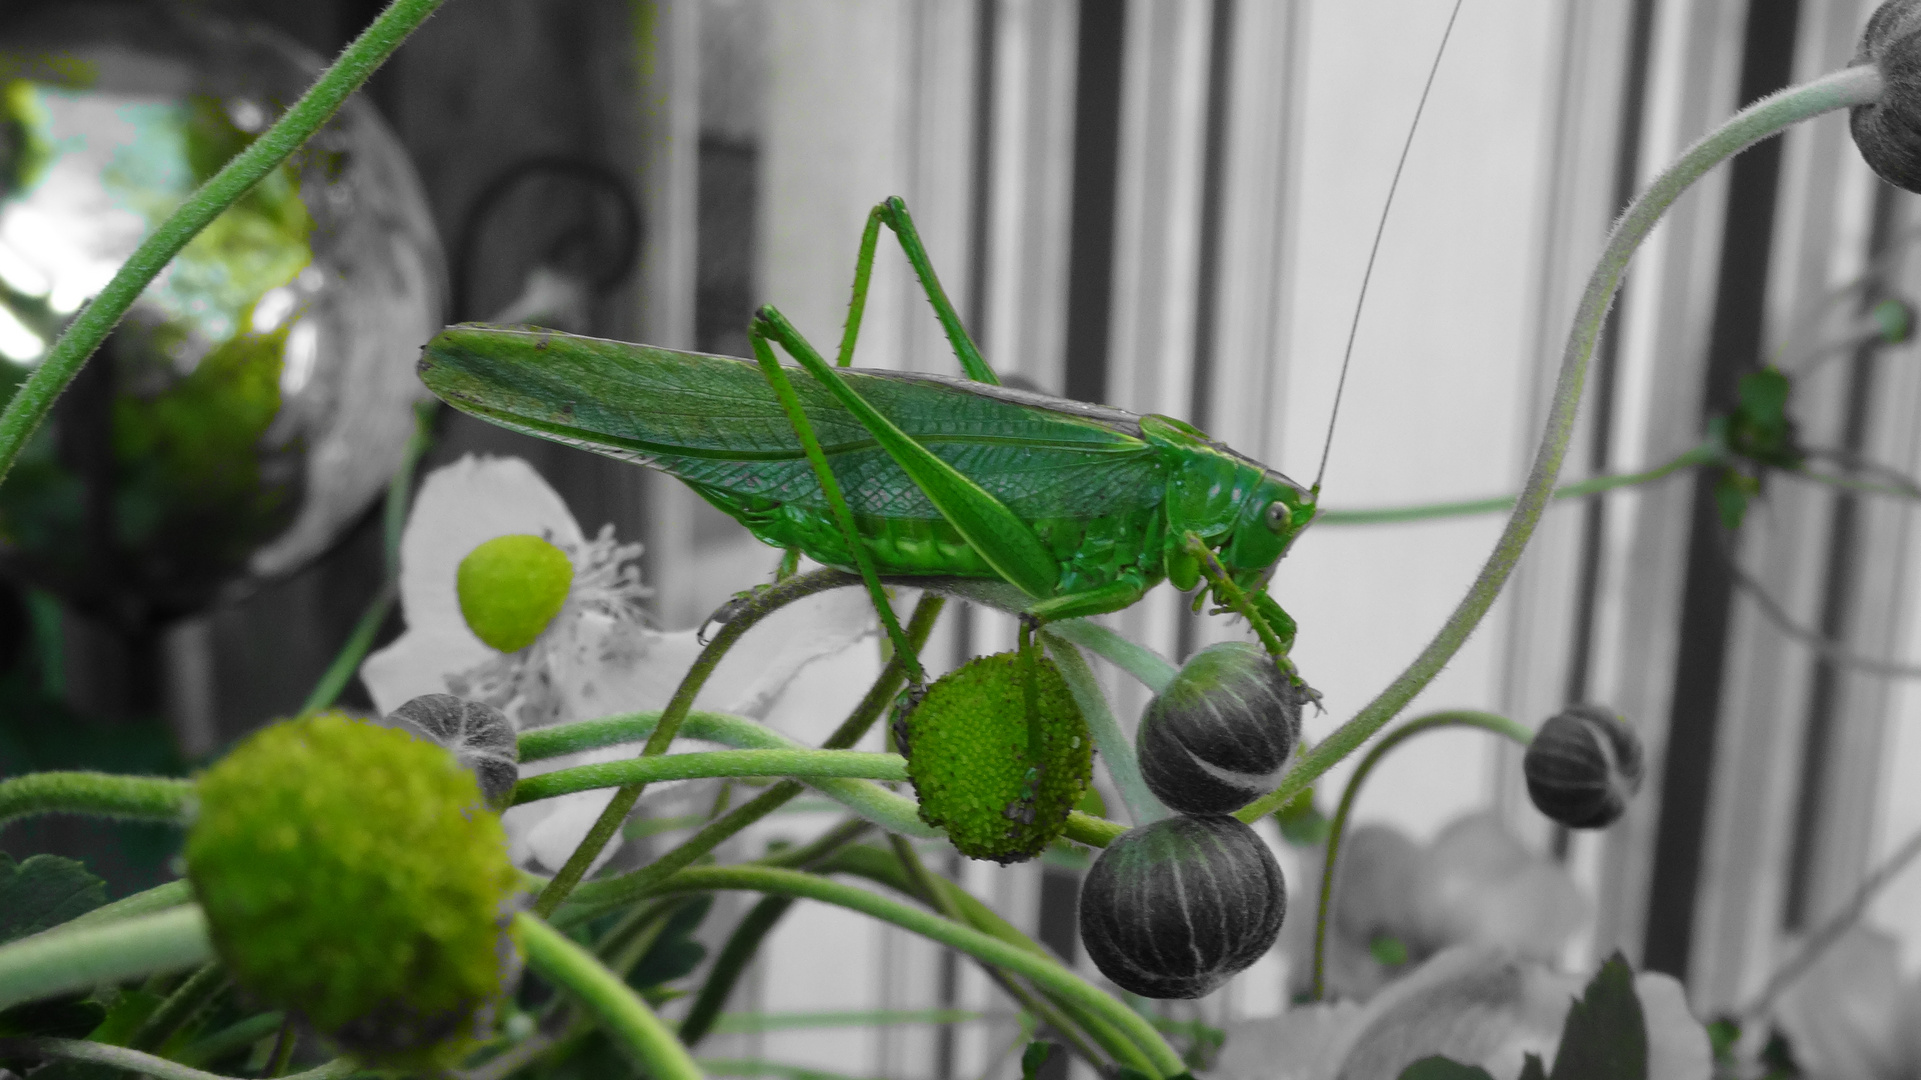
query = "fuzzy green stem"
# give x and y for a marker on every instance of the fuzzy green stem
(1043, 972)
(1767, 117)
(141, 798)
(625, 1016)
(758, 605)
(36, 396)
(1704, 454)
(143, 1064)
(200, 989)
(857, 764)
(63, 960)
(1116, 749)
(1150, 668)
(1499, 725)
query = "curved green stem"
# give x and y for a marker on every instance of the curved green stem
(1116, 749)
(1704, 454)
(142, 1064)
(1499, 725)
(142, 798)
(63, 960)
(624, 1014)
(359, 641)
(856, 764)
(36, 396)
(1043, 972)
(1767, 117)
(753, 608)
(169, 894)
(1153, 670)
(182, 1005)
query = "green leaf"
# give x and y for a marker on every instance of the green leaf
(1605, 1037)
(1034, 1057)
(1440, 1068)
(1389, 950)
(1532, 1069)
(44, 892)
(1732, 490)
(1302, 823)
(675, 953)
(61, 1018)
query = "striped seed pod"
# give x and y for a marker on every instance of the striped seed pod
(1888, 132)
(1583, 766)
(478, 735)
(1176, 908)
(1219, 736)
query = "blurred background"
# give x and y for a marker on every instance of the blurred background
(1165, 205)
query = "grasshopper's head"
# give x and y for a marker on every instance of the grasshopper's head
(1271, 516)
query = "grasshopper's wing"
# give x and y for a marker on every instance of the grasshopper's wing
(713, 422)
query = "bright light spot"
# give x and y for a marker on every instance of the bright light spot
(20, 275)
(247, 115)
(297, 363)
(272, 309)
(17, 342)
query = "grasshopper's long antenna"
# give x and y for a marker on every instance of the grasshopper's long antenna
(1380, 230)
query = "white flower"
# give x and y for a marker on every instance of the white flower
(597, 656)
(1851, 1015)
(1475, 1004)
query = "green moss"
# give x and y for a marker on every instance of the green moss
(967, 754)
(349, 872)
(511, 587)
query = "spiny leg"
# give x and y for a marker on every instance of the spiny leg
(836, 502)
(893, 214)
(1231, 597)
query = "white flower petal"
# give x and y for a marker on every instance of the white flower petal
(1304, 1043)
(461, 506)
(418, 662)
(1844, 1016)
(1478, 1005)
(1678, 1047)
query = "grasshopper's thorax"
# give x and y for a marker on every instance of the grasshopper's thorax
(1245, 511)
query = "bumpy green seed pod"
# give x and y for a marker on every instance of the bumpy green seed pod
(1219, 736)
(478, 735)
(967, 753)
(351, 874)
(1583, 766)
(1888, 132)
(1176, 908)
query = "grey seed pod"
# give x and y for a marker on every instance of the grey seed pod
(479, 736)
(1888, 132)
(1583, 766)
(1176, 908)
(1219, 736)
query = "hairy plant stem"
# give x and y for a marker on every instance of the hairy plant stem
(36, 396)
(621, 1011)
(603, 894)
(139, 1063)
(1499, 725)
(930, 891)
(197, 992)
(140, 798)
(1153, 670)
(62, 960)
(1769, 116)
(756, 606)
(1707, 453)
(1042, 971)
(1116, 749)
(857, 764)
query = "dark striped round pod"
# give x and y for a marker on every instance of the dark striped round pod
(1219, 736)
(1176, 908)
(1888, 132)
(478, 735)
(1583, 766)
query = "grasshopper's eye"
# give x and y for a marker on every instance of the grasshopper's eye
(1279, 516)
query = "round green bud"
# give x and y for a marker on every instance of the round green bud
(351, 874)
(967, 753)
(511, 587)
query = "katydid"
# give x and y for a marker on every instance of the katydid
(950, 482)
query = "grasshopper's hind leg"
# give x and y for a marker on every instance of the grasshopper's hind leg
(893, 214)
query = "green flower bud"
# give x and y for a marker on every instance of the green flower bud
(511, 587)
(1176, 908)
(1583, 766)
(1888, 132)
(350, 874)
(1219, 736)
(478, 735)
(967, 753)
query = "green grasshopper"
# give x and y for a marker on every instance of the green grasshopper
(962, 483)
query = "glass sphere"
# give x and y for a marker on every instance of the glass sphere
(261, 392)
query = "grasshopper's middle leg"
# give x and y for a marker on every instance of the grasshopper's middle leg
(893, 214)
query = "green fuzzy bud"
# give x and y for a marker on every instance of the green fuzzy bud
(351, 873)
(967, 754)
(511, 587)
